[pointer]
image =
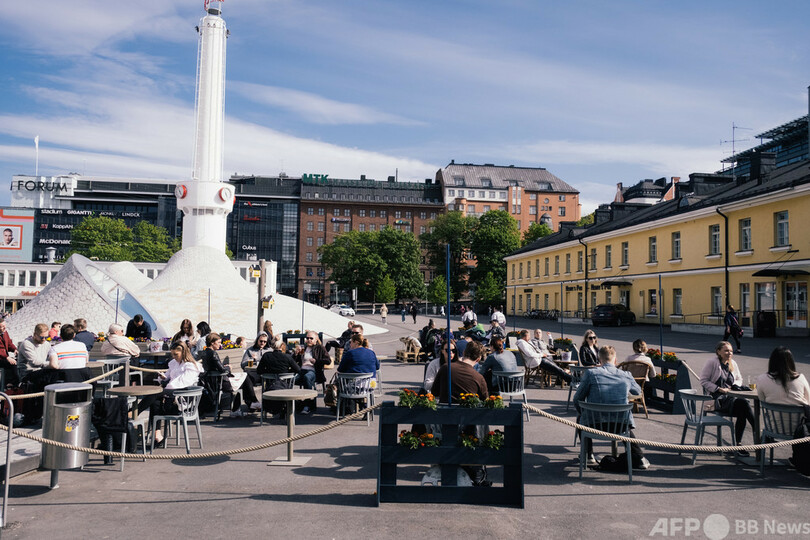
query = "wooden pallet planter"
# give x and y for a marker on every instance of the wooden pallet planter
(449, 455)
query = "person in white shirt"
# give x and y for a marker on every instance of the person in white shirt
(782, 384)
(68, 354)
(539, 356)
(183, 371)
(497, 315)
(469, 317)
(33, 351)
(117, 344)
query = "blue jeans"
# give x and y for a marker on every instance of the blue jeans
(306, 377)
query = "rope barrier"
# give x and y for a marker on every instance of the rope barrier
(667, 446)
(150, 370)
(202, 455)
(88, 381)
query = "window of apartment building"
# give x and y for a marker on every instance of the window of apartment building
(309, 271)
(717, 301)
(486, 208)
(372, 213)
(336, 211)
(532, 210)
(520, 271)
(567, 263)
(516, 209)
(561, 211)
(383, 213)
(745, 299)
(471, 208)
(372, 227)
(593, 258)
(556, 264)
(422, 215)
(677, 302)
(513, 270)
(433, 215)
(625, 254)
(451, 192)
(309, 257)
(422, 229)
(321, 226)
(491, 194)
(321, 273)
(362, 212)
(398, 227)
(676, 245)
(781, 229)
(608, 297)
(593, 301)
(310, 211)
(397, 214)
(310, 226)
(520, 303)
(652, 301)
(320, 242)
(309, 241)
(347, 212)
(502, 194)
(335, 227)
(536, 270)
(546, 267)
(320, 256)
(766, 296)
(321, 211)
(482, 194)
(652, 249)
(361, 227)
(562, 198)
(580, 256)
(408, 228)
(745, 234)
(545, 301)
(608, 256)
(346, 227)
(714, 239)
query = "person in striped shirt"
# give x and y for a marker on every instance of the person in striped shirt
(68, 354)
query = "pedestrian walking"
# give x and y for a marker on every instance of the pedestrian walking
(414, 311)
(404, 312)
(384, 313)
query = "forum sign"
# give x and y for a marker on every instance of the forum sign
(42, 191)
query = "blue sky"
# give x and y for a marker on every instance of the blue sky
(597, 92)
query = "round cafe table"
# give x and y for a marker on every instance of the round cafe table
(137, 392)
(290, 397)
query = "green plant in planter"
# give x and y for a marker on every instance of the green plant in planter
(469, 401)
(667, 379)
(409, 398)
(493, 439)
(494, 402)
(414, 441)
(563, 343)
(468, 441)
(670, 357)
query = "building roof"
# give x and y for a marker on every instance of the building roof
(625, 215)
(500, 177)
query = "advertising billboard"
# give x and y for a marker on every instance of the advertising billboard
(17, 234)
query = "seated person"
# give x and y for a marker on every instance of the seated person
(277, 361)
(312, 358)
(539, 355)
(340, 343)
(117, 344)
(33, 351)
(359, 358)
(69, 356)
(254, 354)
(540, 344)
(427, 337)
(495, 330)
(640, 355)
(782, 384)
(476, 331)
(608, 384)
(83, 335)
(499, 360)
(212, 364)
(433, 367)
(182, 372)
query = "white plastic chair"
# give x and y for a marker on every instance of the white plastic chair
(355, 386)
(287, 379)
(694, 407)
(511, 384)
(188, 402)
(612, 418)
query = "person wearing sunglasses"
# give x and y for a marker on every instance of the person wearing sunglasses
(312, 358)
(589, 350)
(252, 356)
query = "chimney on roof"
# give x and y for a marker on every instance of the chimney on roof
(762, 163)
(428, 181)
(391, 178)
(676, 179)
(452, 162)
(619, 195)
(362, 177)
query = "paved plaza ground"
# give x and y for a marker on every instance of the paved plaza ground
(333, 495)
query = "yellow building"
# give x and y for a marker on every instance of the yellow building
(744, 243)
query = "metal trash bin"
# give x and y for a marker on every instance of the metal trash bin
(66, 418)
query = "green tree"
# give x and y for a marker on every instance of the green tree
(496, 236)
(153, 243)
(386, 290)
(534, 232)
(586, 220)
(455, 229)
(489, 291)
(353, 262)
(102, 238)
(437, 291)
(400, 252)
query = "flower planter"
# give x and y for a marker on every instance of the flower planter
(449, 455)
(664, 394)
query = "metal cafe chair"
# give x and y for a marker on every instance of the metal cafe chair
(511, 384)
(287, 380)
(612, 418)
(780, 423)
(354, 387)
(695, 416)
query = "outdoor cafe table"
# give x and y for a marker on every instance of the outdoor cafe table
(752, 395)
(137, 392)
(290, 397)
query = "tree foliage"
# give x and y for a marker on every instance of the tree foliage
(489, 291)
(496, 236)
(108, 239)
(455, 229)
(437, 291)
(587, 220)
(386, 290)
(534, 232)
(362, 260)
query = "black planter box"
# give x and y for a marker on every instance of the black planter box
(449, 455)
(664, 394)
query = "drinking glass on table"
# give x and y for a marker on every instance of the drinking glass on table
(752, 383)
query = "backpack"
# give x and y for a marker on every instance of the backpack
(801, 452)
(330, 394)
(617, 464)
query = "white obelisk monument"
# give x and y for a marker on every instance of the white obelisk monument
(207, 199)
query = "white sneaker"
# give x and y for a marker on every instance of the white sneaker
(306, 410)
(591, 460)
(255, 406)
(645, 463)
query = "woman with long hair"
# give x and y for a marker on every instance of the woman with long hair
(719, 375)
(212, 364)
(782, 384)
(253, 355)
(589, 350)
(183, 371)
(312, 358)
(202, 333)
(186, 333)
